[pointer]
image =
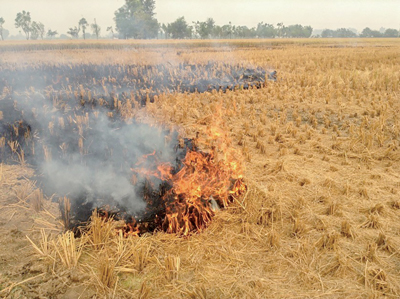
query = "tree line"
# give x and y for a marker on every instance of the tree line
(367, 32)
(33, 30)
(180, 29)
(136, 19)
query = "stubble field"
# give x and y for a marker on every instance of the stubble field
(321, 214)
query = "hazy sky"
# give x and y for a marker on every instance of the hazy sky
(61, 14)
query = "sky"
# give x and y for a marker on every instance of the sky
(320, 14)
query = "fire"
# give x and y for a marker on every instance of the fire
(202, 180)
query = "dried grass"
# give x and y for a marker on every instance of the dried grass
(68, 249)
(171, 267)
(107, 276)
(44, 248)
(101, 230)
(320, 218)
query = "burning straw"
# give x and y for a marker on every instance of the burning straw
(180, 197)
(88, 147)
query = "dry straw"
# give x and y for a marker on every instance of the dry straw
(320, 218)
(69, 249)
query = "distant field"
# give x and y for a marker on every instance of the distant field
(320, 149)
(32, 45)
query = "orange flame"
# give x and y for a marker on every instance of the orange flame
(203, 179)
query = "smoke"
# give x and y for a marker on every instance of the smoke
(67, 123)
(86, 154)
(80, 152)
(102, 172)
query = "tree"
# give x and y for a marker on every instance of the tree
(244, 32)
(1, 28)
(149, 6)
(265, 30)
(343, 32)
(280, 26)
(285, 31)
(327, 33)
(204, 29)
(6, 33)
(367, 32)
(340, 32)
(307, 31)
(227, 31)
(83, 24)
(37, 29)
(51, 33)
(217, 31)
(74, 32)
(391, 33)
(110, 28)
(34, 31)
(41, 30)
(180, 29)
(166, 29)
(95, 29)
(23, 21)
(298, 30)
(135, 19)
(199, 29)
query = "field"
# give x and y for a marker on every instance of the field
(320, 151)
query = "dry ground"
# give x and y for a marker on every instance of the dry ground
(322, 214)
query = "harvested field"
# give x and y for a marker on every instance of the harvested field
(320, 150)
